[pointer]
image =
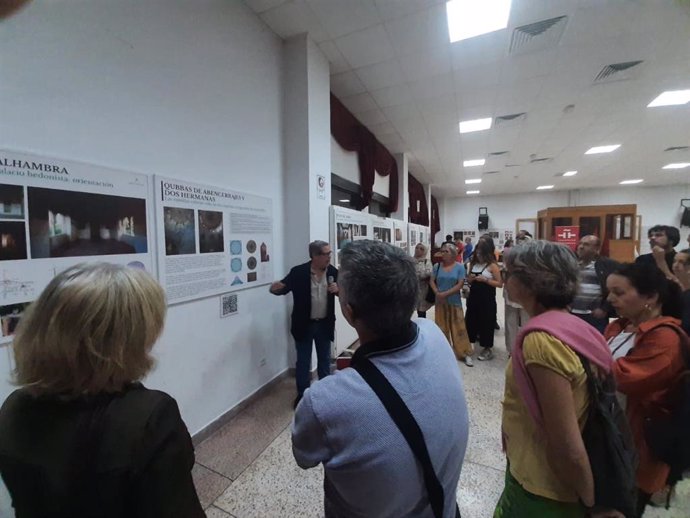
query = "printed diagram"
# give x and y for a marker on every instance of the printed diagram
(14, 289)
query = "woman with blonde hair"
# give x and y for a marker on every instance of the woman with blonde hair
(446, 281)
(82, 437)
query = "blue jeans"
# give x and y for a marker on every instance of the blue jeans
(319, 333)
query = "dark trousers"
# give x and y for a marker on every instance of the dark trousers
(598, 323)
(421, 314)
(480, 317)
(319, 333)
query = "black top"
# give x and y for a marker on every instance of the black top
(298, 281)
(125, 455)
(686, 312)
(649, 259)
(603, 266)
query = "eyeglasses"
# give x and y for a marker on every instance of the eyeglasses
(324, 253)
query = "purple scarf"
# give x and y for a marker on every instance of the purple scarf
(575, 333)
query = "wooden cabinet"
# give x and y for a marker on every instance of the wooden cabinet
(615, 225)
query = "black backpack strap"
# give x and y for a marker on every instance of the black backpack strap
(408, 426)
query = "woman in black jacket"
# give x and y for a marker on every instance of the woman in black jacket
(82, 437)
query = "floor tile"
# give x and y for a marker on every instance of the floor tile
(214, 512)
(235, 446)
(209, 485)
(275, 486)
(479, 490)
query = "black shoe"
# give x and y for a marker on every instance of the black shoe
(496, 326)
(297, 400)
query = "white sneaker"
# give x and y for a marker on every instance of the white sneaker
(468, 361)
(486, 354)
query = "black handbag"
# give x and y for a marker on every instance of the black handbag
(430, 295)
(408, 426)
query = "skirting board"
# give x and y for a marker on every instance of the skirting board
(225, 418)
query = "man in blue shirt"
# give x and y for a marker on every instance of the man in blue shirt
(369, 468)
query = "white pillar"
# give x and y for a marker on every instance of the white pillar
(307, 138)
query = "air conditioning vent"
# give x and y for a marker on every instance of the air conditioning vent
(618, 72)
(512, 165)
(512, 119)
(499, 153)
(540, 160)
(490, 172)
(677, 148)
(538, 36)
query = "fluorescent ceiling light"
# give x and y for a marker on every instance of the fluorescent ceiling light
(570, 173)
(475, 125)
(679, 165)
(344, 201)
(473, 163)
(471, 192)
(671, 98)
(602, 149)
(470, 18)
(474, 180)
(544, 187)
(630, 182)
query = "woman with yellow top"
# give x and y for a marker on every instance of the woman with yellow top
(546, 399)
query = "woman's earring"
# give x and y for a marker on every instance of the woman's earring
(647, 307)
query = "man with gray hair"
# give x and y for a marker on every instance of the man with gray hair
(370, 468)
(313, 286)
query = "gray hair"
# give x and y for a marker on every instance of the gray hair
(379, 283)
(453, 249)
(547, 269)
(315, 247)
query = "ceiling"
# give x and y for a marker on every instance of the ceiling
(393, 66)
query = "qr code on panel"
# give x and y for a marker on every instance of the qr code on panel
(228, 305)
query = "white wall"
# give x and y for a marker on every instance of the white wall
(344, 164)
(185, 89)
(656, 205)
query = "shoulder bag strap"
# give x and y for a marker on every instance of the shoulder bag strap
(408, 426)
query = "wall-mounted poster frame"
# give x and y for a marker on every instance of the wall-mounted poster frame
(400, 234)
(417, 234)
(347, 225)
(382, 229)
(211, 240)
(56, 213)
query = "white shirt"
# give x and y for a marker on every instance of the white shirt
(319, 296)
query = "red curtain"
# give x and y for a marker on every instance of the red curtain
(435, 221)
(372, 156)
(416, 194)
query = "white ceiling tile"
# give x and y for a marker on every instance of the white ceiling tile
(337, 62)
(393, 95)
(422, 65)
(385, 128)
(366, 47)
(381, 75)
(402, 112)
(488, 48)
(359, 103)
(477, 76)
(422, 30)
(340, 18)
(477, 97)
(346, 84)
(375, 116)
(294, 17)
(524, 66)
(431, 87)
(393, 9)
(259, 6)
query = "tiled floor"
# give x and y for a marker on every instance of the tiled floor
(246, 469)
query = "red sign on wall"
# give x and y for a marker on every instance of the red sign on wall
(568, 236)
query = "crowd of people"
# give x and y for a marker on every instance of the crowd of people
(83, 434)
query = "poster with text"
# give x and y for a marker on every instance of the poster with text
(347, 225)
(211, 240)
(56, 213)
